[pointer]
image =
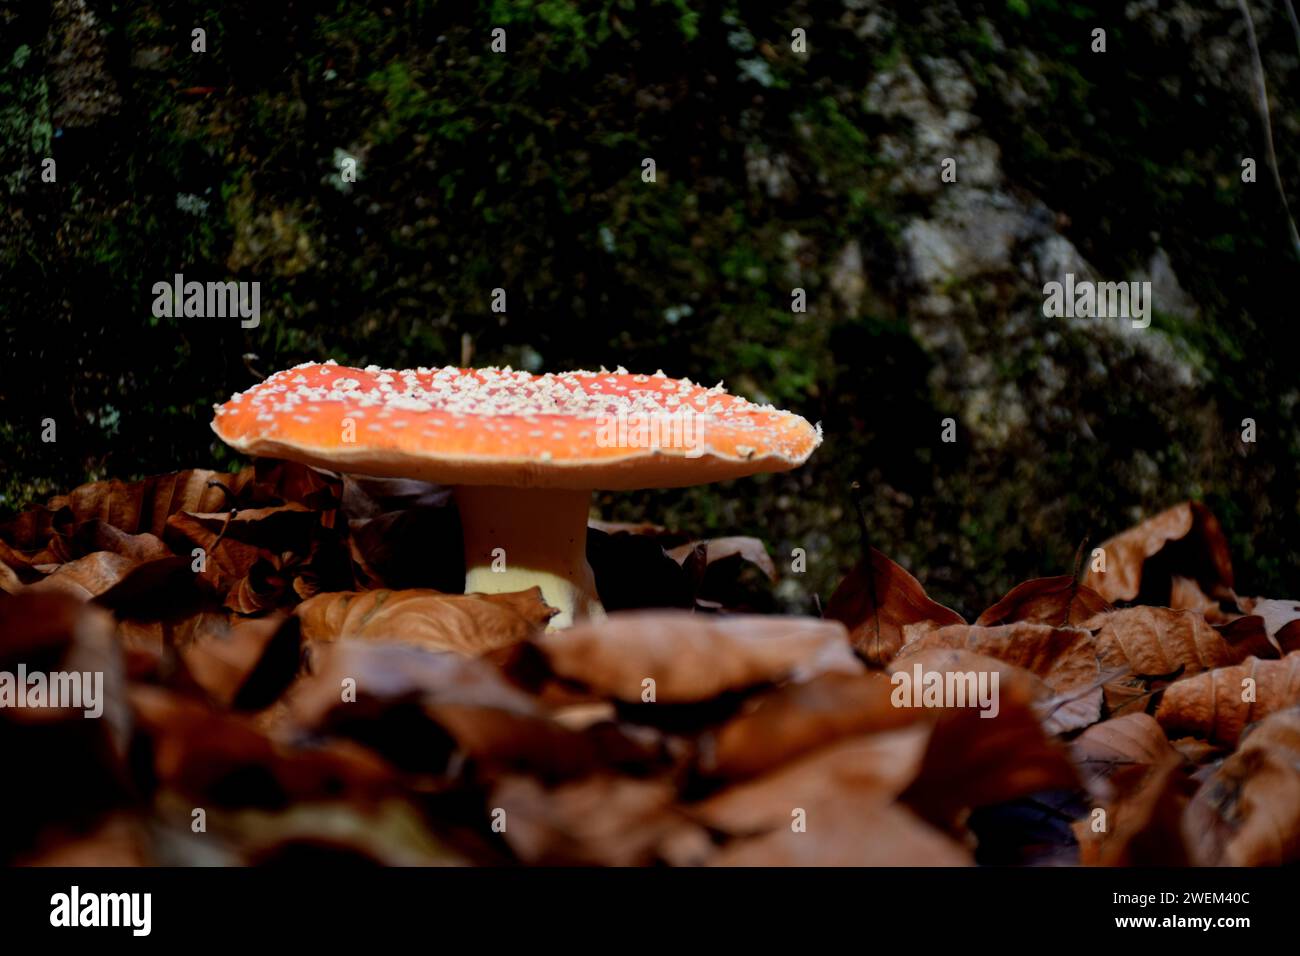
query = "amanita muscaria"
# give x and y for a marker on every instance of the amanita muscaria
(523, 452)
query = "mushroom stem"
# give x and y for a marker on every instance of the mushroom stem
(518, 538)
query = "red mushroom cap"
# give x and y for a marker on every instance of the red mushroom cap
(490, 426)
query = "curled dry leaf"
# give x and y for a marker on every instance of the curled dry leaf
(268, 584)
(97, 535)
(1143, 826)
(28, 534)
(902, 601)
(975, 761)
(148, 644)
(388, 832)
(643, 528)
(720, 549)
(419, 708)
(598, 821)
(369, 496)
(87, 577)
(390, 523)
(162, 588)
(1185, 540)
(465, 623)
(146, 505)
(23, 567)
(244, 667)
(392, 550)
(120, 840)
(56, 633)
(1248, 636)
(223, 758)
(276, 480)
(64, 766)
(279, 528)
(1104, 749)
(1196, 751)
(735, 573)
(1063, 658)
(849, 835)
(782, 723)
(1058, 601)
(1280, 619)
(694, 658)
(866, 770)
(1248, 812)
(1161, 641)
(1186, 595)
(226, 560)
(1217, 705)
(832, 807)
(10, 582)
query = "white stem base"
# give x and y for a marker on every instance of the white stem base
(518, 538)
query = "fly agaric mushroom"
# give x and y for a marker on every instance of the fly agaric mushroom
(522, 452)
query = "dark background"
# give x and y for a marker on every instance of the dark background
(775, 171)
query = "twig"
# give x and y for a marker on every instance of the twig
(856, 493)
(1295, 24)
(1075, 578)
(249, 358)
(1262, 90)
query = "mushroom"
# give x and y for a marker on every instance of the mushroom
(522, 452)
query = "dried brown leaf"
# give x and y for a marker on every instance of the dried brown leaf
(87, 577)
(902, 601)
(720, 549)
(418, 708)
(1185, 540)
(1063, 658)
(10, 583)
(842, 834)
(246, 666)
(223, 757)
(65, 764)
(974, 761)
(694, 658)
(1217, 705)
(97, 535)
(598, 821)
(1159, 640)
(465, 623)
(1248, 812)
(1281, 621)
(226, 560)
(120, 840)
(1104, 749)
(1056, 601)
(1186, 595)
(866, 770)
(1142, 826)
(782, 723)
(146, 505)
